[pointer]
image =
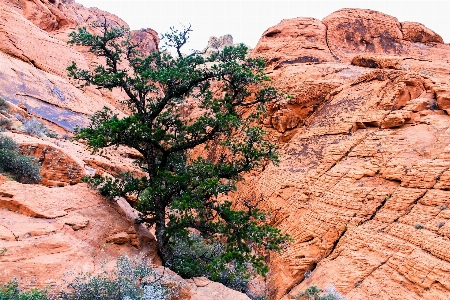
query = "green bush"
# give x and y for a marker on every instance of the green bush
(34, 127)
(193, 257)
(315, 293)
(4, 107)
(132, 280)
(5, 124)
(22, 168)
(11, 291)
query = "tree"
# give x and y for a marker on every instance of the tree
(180, 195)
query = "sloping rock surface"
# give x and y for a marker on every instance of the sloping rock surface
(34, 56)
(52, 233)
(363, 180)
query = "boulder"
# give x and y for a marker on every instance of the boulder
(294, 41)
(418, 33)
(353, 31)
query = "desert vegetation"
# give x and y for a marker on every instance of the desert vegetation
(132, 279)
(315, 293)
(22, 168)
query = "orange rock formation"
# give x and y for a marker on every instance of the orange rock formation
(363, 181)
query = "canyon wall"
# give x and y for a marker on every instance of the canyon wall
(34, 55)
(363, 183)
(51, 232)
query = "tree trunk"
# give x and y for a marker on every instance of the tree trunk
(160, 228)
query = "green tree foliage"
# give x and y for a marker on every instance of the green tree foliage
(180, 194)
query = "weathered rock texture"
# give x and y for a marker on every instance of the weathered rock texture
(363, 183)
(65, 162)
(363, 180)
(51, 231)
(216, 44)
(34, 56)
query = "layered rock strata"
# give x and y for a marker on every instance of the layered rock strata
(34, 56)
(362, 183)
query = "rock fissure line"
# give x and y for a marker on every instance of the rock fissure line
(379, 207)
(15, 237)
(328, 45)
(335, 243)
(438, 178)
(358, 142)
(368, 275)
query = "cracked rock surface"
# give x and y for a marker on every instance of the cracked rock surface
(363, 180)
(363, 183)
(48, 232)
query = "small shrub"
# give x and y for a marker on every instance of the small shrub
(4, 107)
(332, 294)
(5, 124)
(51, 134)
(418, 226)
(7, 143)
(11, 291)
(440, 224)
(193, 257)
(20, 117)
(315, 293)
(23, 168)
(34, 127)
(132, 280)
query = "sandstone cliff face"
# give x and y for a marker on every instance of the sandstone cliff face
(363, 181)
(34, 56)
(364, 178)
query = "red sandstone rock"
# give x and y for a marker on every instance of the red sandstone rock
(34, 56)
(301, 40)
(118, 238)
(364, 175)
(41, 247)
(352, 31)
(147, 39)
(368, 162)
(418, 33)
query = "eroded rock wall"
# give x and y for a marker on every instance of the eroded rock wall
(34, 56)
(362, 182)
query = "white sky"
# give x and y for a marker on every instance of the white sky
(246, 20)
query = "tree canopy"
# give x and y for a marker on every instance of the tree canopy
(183, 195)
